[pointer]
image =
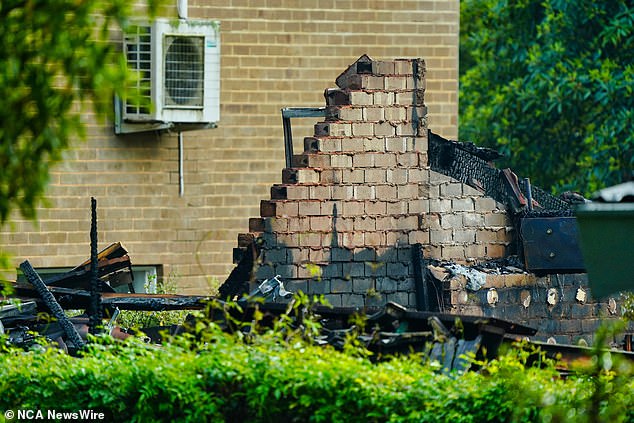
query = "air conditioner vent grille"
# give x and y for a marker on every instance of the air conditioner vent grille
(184, 71)
(138, 50)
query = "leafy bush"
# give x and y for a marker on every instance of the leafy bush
(213, 376)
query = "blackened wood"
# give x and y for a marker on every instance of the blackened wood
(421, 289)
(94, 309)
(48, 298)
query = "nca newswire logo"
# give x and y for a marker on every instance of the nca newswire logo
(53, 415)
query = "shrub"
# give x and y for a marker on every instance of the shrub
(220, 377)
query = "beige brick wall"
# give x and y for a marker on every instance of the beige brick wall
(274, 54)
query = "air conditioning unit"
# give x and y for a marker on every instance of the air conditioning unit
(178, 64)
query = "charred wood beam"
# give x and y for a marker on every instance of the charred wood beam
(79, 299)
(48, 298)
(94, 308)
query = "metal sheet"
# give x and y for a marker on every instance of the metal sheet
(551, 244)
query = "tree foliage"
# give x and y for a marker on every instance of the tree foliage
(55, 58)
(550, 84)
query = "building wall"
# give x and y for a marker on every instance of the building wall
(343, 222)
(275, 54)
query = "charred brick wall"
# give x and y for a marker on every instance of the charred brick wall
(345, 216)
(560, 306)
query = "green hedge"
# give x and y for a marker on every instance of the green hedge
(269, 380)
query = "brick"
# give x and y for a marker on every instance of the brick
(397, 144)
(363, 223)
(395, 114)
(353, 176)
(277, 224)
(310, 239)
(411, 97)
(334, 300)
(495, 251)
(353, 144)
(449, 221)
(418, 206)
(384, 68)
(364, 192)
(362, 129)
(410, 159)
(381, 98)
(384, 129)
(421, 237)
(386, 192)
(374, 144)
(373, 114)
(354, 300)
(362, 285)
(496, 219)
(361, 98)
(321, 223)
(300, 176)
(287, 208)
(297, 255)
(319, 192)
(385, 160)
(318, 160)
(464, 235)
(439, 205)
(406, 192)
(397, 176)
(442, 236)
(396, 207)
(415, 113)
(393, 83)
(353, 270)
(333, 129)
(485, 204)
(453, 252)
(296, 192)
(309, 208)
(349, 114)
(352, 239)
(462, 204)
(403, 66)
(268, 208)
(341, 160)
(353, 208)
(299, 224)
(255, 225)
(360, 82)
(375, 208)
(331, 176)
(470, 220)
(342, 192)
(374, 176)
(336, 97)
(451, 190)
(318, 287)
(363, 160)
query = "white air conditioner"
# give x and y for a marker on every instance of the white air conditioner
(178, 63)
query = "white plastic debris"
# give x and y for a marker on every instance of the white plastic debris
(475, 278)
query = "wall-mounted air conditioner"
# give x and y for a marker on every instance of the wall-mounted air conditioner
(178, 64)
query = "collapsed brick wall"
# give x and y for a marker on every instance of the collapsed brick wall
(343, 220)
(559, 306)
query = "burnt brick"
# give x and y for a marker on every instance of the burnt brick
(570, 326)
(336, 97)
(268, 208)
(278, 192)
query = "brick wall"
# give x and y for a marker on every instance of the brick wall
(344, 219)
(273, 54)
(559, 306)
